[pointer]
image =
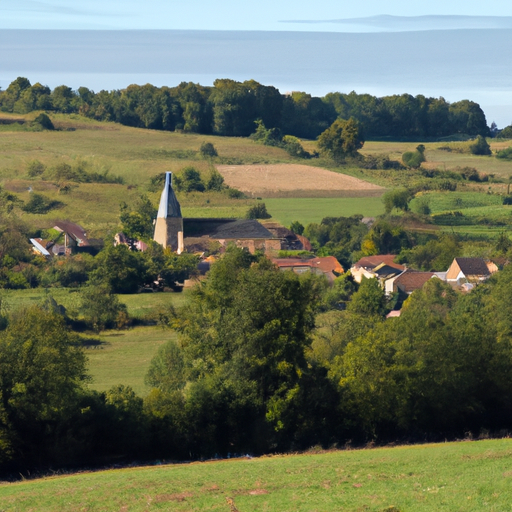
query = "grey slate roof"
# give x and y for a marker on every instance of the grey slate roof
(473, 266)
(169, 205)
(226, 229)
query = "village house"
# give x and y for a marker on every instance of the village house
(410, 281)
(70, 238)
(380, 266)
(328, 266)
(467, 270)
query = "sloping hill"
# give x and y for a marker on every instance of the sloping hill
(469, 476)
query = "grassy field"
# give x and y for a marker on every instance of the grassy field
(123, 357)
(306, 210)
(465, 476)
(138, 304)
(137, 154)
(454, 154)
(114, 357)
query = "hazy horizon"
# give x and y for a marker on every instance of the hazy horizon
(455, 64)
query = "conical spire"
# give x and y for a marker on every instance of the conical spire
(169, 205)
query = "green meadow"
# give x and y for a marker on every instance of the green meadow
(306, 210)
(123, 357)
(464, 476)
(114, 357)
(138, 304)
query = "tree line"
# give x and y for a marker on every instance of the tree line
(263, 363)
(231, 108)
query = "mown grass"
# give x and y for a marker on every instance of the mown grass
(123, 357)
(464, 476)
(306, 210)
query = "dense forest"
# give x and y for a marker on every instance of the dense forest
(264, 362)
(231, 108)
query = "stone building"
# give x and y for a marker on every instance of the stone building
(204, 234)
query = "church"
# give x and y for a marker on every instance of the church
(205, 234)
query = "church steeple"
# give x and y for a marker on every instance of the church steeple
(169, 205)
(169, 222)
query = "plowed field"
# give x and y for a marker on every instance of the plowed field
(295, 180)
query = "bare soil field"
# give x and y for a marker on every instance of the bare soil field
(295, 180)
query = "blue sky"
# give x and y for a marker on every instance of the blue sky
(223, 14)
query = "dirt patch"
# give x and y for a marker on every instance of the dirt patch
(258, 492)
(182, 496)
(288, 179)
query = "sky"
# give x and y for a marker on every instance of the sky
(224, 14)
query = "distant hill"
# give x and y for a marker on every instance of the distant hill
(386, 23)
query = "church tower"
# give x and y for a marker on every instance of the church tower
(169, 222)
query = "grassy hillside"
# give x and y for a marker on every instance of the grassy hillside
(466, 476)
(136, 155)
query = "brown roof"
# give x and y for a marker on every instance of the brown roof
(473, 266)
(410, 280)
(325, 264)
(305, 243)
(371, 262)
(73, 230)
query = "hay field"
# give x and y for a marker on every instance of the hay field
(295, 180)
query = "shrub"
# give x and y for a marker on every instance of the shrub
(43, 121)
(422, 206)
(234, 193)
(268, 137)
(35, 168)
(40, 204)
(189, 180)
(414, 158)
(293, 147)
(398, 198)
(297, 228)
(506, 133)
(208, 150)
(505, 154)
(157, 182)
(258, 211)
(100, 307)
(480, 146)
(215, 180)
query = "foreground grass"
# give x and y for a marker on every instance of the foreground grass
(466, 476)
(123, 357)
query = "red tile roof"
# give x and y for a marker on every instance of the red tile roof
(325, 264)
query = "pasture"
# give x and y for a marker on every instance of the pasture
(138, 304)
(306, 210)
(465, 476)
(123, 357)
